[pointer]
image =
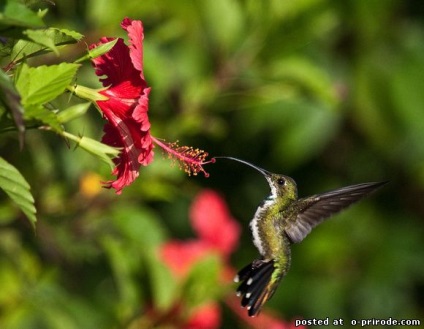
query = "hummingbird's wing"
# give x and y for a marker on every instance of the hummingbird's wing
(317, 208)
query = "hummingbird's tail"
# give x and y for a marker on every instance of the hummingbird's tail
(258, 284)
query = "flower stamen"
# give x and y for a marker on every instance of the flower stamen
(190, 159)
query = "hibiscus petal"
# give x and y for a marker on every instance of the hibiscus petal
(115, 65)
(140, 111)
(136, 36)
(127, 164)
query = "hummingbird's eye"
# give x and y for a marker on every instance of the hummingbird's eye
(281, 181)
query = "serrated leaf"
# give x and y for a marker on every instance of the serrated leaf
(43, 40)
(17, 188)
(65, 36)
(40, 113)
(73, 112)
(23, 79)
(11, 100)
(40, 37)
(42, 84)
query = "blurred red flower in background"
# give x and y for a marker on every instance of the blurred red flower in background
(214, 224)
(181, 255)
(125, 108)
(218, 233)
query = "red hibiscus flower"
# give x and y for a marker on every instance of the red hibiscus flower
(125, 106)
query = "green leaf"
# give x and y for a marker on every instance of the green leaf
(43, 40)
(17, 188)
(65, 36)
(44, 83)
(14, 13)
(73, 112)
(40, 113)
(11, 100)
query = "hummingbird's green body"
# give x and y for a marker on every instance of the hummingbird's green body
(268, 226)
(281, 220)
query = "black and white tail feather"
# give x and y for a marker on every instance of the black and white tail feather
(257, 285)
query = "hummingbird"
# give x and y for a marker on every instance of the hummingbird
(281, 220)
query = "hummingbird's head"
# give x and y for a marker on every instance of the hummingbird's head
(281, 186)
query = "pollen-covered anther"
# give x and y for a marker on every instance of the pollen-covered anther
(189, 159)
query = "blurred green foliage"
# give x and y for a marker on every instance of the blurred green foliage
(328, 92)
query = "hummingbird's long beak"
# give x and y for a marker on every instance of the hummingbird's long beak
(262, 171)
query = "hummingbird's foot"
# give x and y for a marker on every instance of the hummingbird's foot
(256, 287)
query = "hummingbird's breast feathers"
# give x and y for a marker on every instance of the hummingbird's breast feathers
(267, 228)
(267, 224)
(257, 224)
